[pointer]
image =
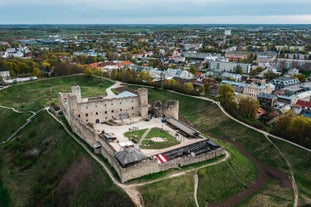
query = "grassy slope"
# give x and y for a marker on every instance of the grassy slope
(39, 94)
(173, 192)
(34, 180)
(271, 195)
(301, 163)
(207, 118)
(11, 121)
(230, 178)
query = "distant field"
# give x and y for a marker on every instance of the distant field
(39, 94)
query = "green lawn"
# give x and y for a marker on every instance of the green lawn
(61, 174)
(39, 94)
(138, 134)
(147, 143)
(10, 121)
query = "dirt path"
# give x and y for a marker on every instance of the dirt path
(110, 94)
(195, 193)
(23, 126)
(291, 172)
(144, 135)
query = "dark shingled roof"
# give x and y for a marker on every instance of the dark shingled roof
(129, 156)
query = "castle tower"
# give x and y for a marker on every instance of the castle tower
(143, 101)
(75, 91)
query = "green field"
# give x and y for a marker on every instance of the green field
(39, 94)
(135, 134)
(11, 121)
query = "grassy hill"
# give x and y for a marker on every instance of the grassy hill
(44, 167)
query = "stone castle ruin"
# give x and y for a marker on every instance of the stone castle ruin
(88, 117)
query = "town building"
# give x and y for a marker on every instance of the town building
(266, 100)
(250, 90)
(283, 82)
(217, 66)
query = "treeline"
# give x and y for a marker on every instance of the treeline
(294, 128)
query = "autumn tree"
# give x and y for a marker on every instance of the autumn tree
(188, 87)
(202, 90)
(226, 97)
(300, 77)
(248, 107)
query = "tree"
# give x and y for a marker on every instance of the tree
(36, 72)
(248, 107)
(225, 93)
(171, 83)
(88, 72)
(193, 69)
(188, 87)
(226, 96)
(202, 90)
(300, 77)
(270, 75)
(239, 70)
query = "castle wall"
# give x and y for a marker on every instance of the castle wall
(171, 109)
(107, 109)
(148, 166)
(80, 114)
(145, 167)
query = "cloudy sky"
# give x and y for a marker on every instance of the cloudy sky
(155, 12)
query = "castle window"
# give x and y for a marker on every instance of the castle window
(120, 109)
(112, 111)
(132, 108)
(87, 120)
(105, 112)
(86, 107)
(111, 104)
(105, 104)
(106, 118)
(86, 115)
(96, 113)
(120, 102)
(79, 115)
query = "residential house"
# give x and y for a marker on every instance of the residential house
(266, 100)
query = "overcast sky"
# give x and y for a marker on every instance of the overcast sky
(155, 12)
